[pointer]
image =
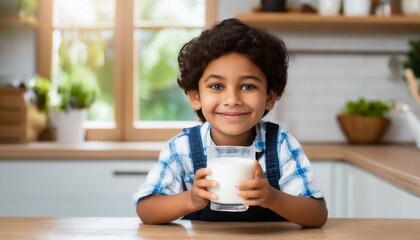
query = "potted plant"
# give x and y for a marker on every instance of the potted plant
(412, 57)
(364, 122)
(412, 68)
(41, 88)
(74, 94)
(412, 75)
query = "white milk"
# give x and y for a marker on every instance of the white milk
(228, 171)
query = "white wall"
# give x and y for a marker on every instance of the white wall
(329, 67)
(17, 53)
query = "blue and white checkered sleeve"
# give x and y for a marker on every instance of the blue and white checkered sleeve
(161, 178)
(297, 172)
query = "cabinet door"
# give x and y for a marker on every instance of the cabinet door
(324, 181)
(372, 197)
(361, 193)
(71, 188)
(351, 192)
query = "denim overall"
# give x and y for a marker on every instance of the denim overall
(254, 213)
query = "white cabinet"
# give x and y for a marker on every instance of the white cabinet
(372, 197)
(70, 187)
(96, 188)
(351, 192)
(324, 181)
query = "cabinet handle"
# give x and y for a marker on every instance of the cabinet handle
(130, 173)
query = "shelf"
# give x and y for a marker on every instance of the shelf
(19, 21)
(313, 20)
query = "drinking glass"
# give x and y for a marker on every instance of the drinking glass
(229, 165)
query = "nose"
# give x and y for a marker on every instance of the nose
(232, 97)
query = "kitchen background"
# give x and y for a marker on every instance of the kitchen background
(327, 68)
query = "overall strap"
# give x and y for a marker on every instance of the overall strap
(271, 156)
(196, 146)
(199, 160)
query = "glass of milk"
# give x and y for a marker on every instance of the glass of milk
(229, 165)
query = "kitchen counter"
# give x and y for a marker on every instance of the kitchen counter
(396, 163)
(13, 228)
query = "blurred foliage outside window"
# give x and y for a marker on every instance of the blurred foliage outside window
(176, 22)
(83, 43)
(85, 55)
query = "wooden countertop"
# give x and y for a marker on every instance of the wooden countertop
(130, 228)
(398, 164)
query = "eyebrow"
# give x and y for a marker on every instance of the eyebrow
(245, 77)
(253, 77)
(219, 77)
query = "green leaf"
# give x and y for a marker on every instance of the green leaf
(78, 89)
(362, 107)
(412, 57)
(41, 86)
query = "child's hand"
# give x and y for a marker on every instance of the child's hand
(199, 194)
(257, 191)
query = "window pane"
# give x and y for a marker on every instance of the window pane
(172, 12)
(163, 26)
(160, 97)
(87, 56)
(83, 12)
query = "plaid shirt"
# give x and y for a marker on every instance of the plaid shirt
(173, 173)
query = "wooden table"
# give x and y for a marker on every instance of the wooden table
(13, 228)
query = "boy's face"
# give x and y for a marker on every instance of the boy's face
(232, 94)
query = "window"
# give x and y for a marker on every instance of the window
(129, 49)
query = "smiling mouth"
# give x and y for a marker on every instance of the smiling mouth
(232, 115)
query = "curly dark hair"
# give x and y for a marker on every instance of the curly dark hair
(265, 50)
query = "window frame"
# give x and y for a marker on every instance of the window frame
(125, 72)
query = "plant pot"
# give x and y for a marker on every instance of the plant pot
(69, 126)
(273, 5)
(361, 129)
(329, 7)
(357, 8)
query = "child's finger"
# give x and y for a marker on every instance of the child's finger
(253, 194)
(259, 173)
(201, 173)
(251, 185)
(206, 183)
(200, 180)
(201, 193)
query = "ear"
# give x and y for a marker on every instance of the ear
(194, 98)
(271, 100)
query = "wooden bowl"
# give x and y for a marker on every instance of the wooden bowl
(361, 129)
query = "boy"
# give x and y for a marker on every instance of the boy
(233, 74)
